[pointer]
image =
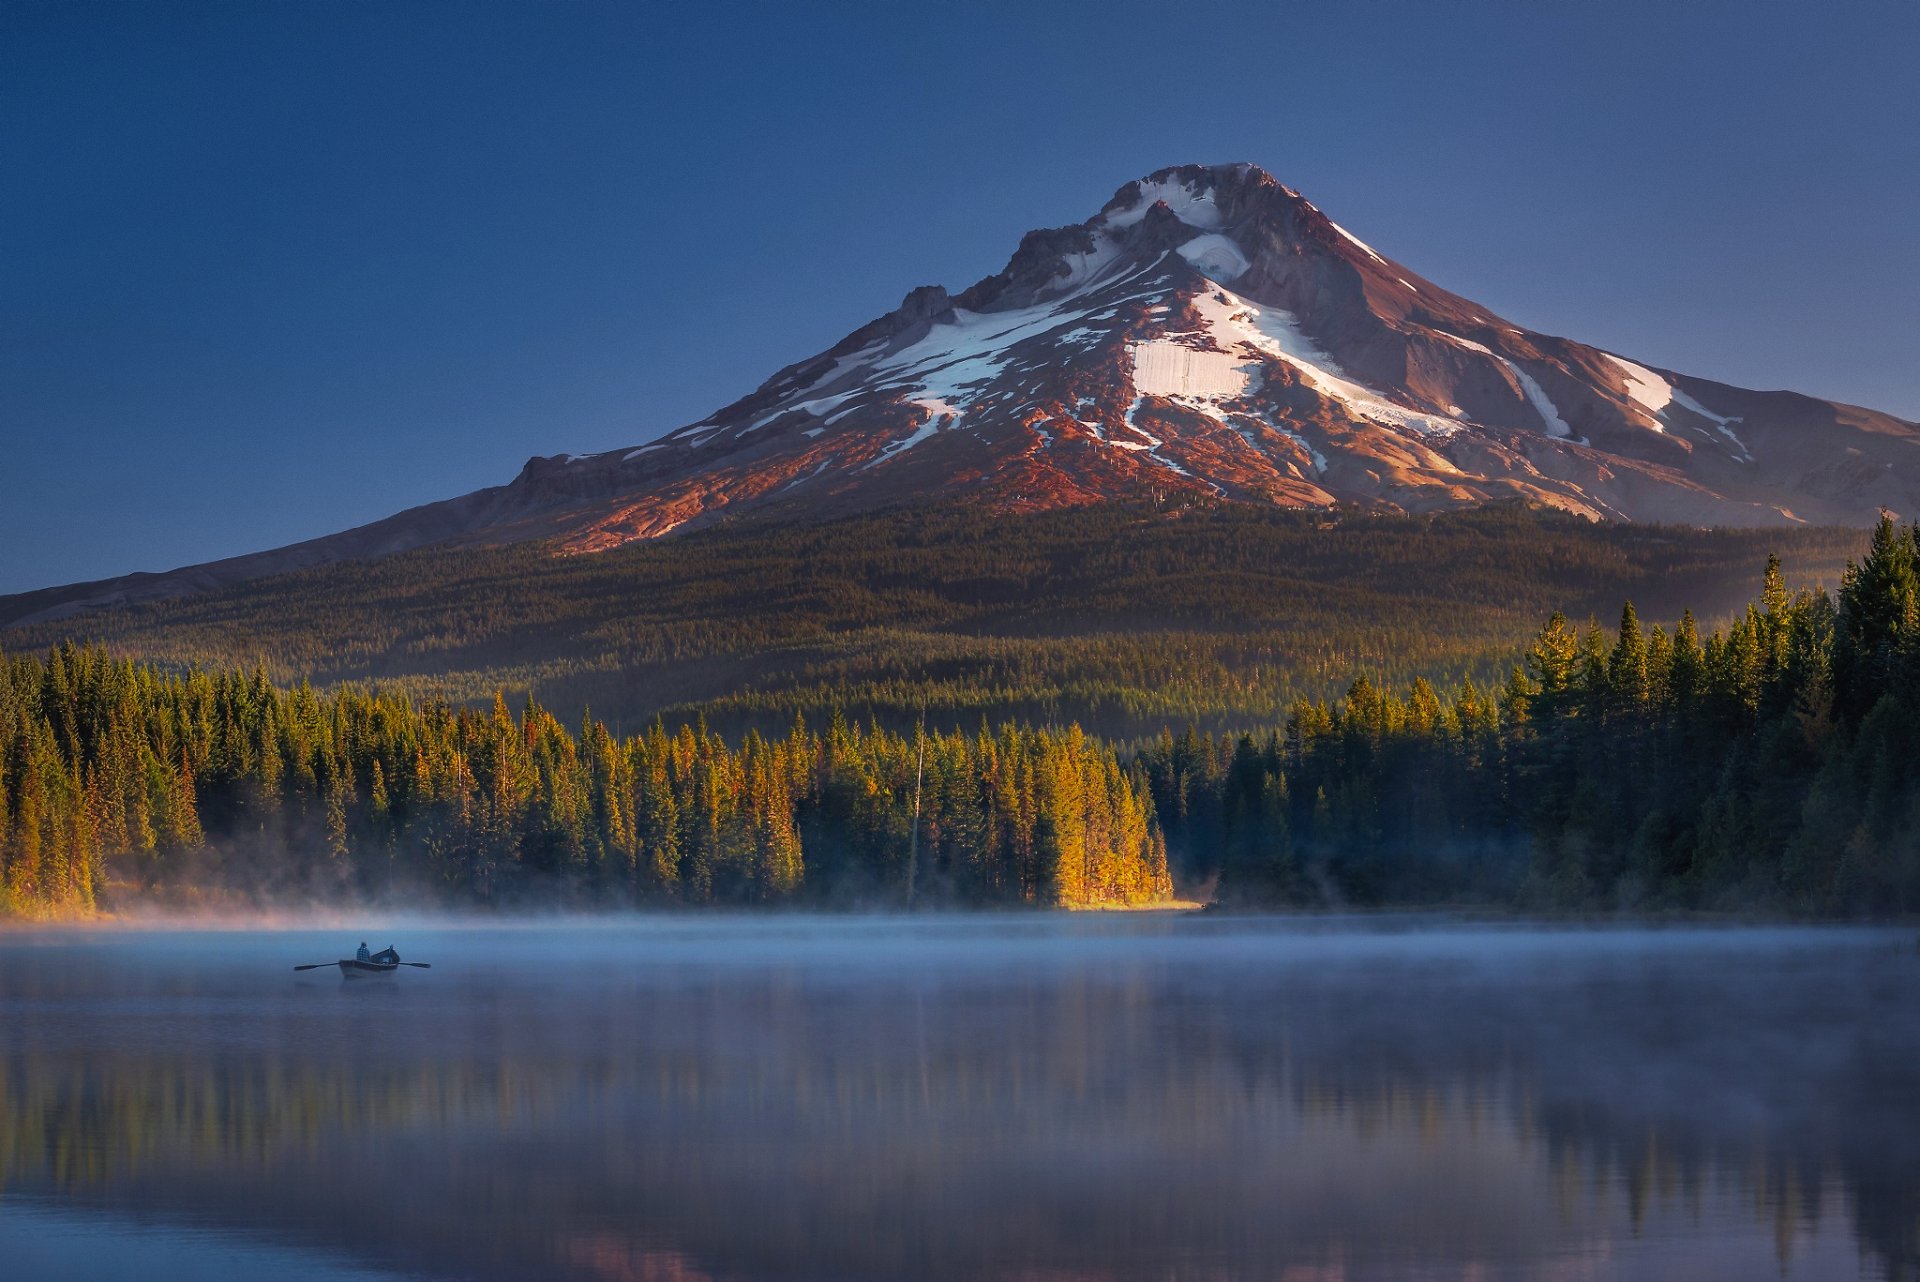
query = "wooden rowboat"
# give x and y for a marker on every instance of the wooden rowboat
(384, 962)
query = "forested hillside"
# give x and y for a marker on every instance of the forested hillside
(218, 782)
(1125, 619)
(1774, 764)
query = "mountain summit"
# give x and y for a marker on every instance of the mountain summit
(1209, 332)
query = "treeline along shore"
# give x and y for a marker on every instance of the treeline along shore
(1771, 766)
(121, 779)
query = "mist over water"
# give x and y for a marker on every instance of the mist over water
(1021, 1097)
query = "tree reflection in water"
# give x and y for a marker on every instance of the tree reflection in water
(983, 1097)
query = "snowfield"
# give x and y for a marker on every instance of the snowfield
(1238, 323)
(1721, 423)
(1549, 414)
(1194, 208)
(1162, 368)
(1216, 256)
(1647, 389)
(1656, 395)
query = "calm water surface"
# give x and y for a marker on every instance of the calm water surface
(1038, 1098)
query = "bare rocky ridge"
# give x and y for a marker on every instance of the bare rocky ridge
(1208, 332)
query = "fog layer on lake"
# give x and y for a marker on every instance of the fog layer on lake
(1034, 1097)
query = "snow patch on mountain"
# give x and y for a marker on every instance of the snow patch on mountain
(813, 409)
(1657, 396)
(1542, 403)
(841, 366)
(1536, 395)
(1163, 368)
(1721, 423)
(1239, 323)
(1364, 246)
(1084, 268)
(936, 408)
(955, 359)
(1648, 390)
(960, 356)
(1467, 343)
(1149, 444)
(938, 412)
(1266, 420)
(1216, 256)
(1194, 208)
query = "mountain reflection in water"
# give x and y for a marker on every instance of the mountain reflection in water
(1036, 1097)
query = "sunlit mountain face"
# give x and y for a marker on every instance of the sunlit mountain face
(1208, 333)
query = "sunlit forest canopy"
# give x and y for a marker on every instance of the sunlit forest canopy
(120, 777)
(1770, 763)
(1124, 619)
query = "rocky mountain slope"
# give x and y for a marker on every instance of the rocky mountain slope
(1209, 332)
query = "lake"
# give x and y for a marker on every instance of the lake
(1037, 1097)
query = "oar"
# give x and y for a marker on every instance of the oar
(323, 965)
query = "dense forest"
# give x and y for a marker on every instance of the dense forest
(1774, 765)
(1122, 618)
(120, 778)
(1771, 764)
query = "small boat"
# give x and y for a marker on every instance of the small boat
(384, 962)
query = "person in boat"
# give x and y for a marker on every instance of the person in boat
(362, 955)
(387, 957)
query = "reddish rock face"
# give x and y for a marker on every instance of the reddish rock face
(1208, 332)
(1211, 331)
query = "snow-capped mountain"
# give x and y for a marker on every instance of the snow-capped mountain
(1208, 332)
(1211, 331)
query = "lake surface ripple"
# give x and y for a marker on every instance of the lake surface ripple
(1043, 1098)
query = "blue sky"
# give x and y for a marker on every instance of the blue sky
(272, 270)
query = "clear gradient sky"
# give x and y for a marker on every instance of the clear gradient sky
(269, 270)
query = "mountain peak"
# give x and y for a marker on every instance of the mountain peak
(1209, 333)
(1210, 330)
(1237, 178)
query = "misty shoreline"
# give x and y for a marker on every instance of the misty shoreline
(372, 916)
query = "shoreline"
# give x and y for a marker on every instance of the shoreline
(356, 917)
